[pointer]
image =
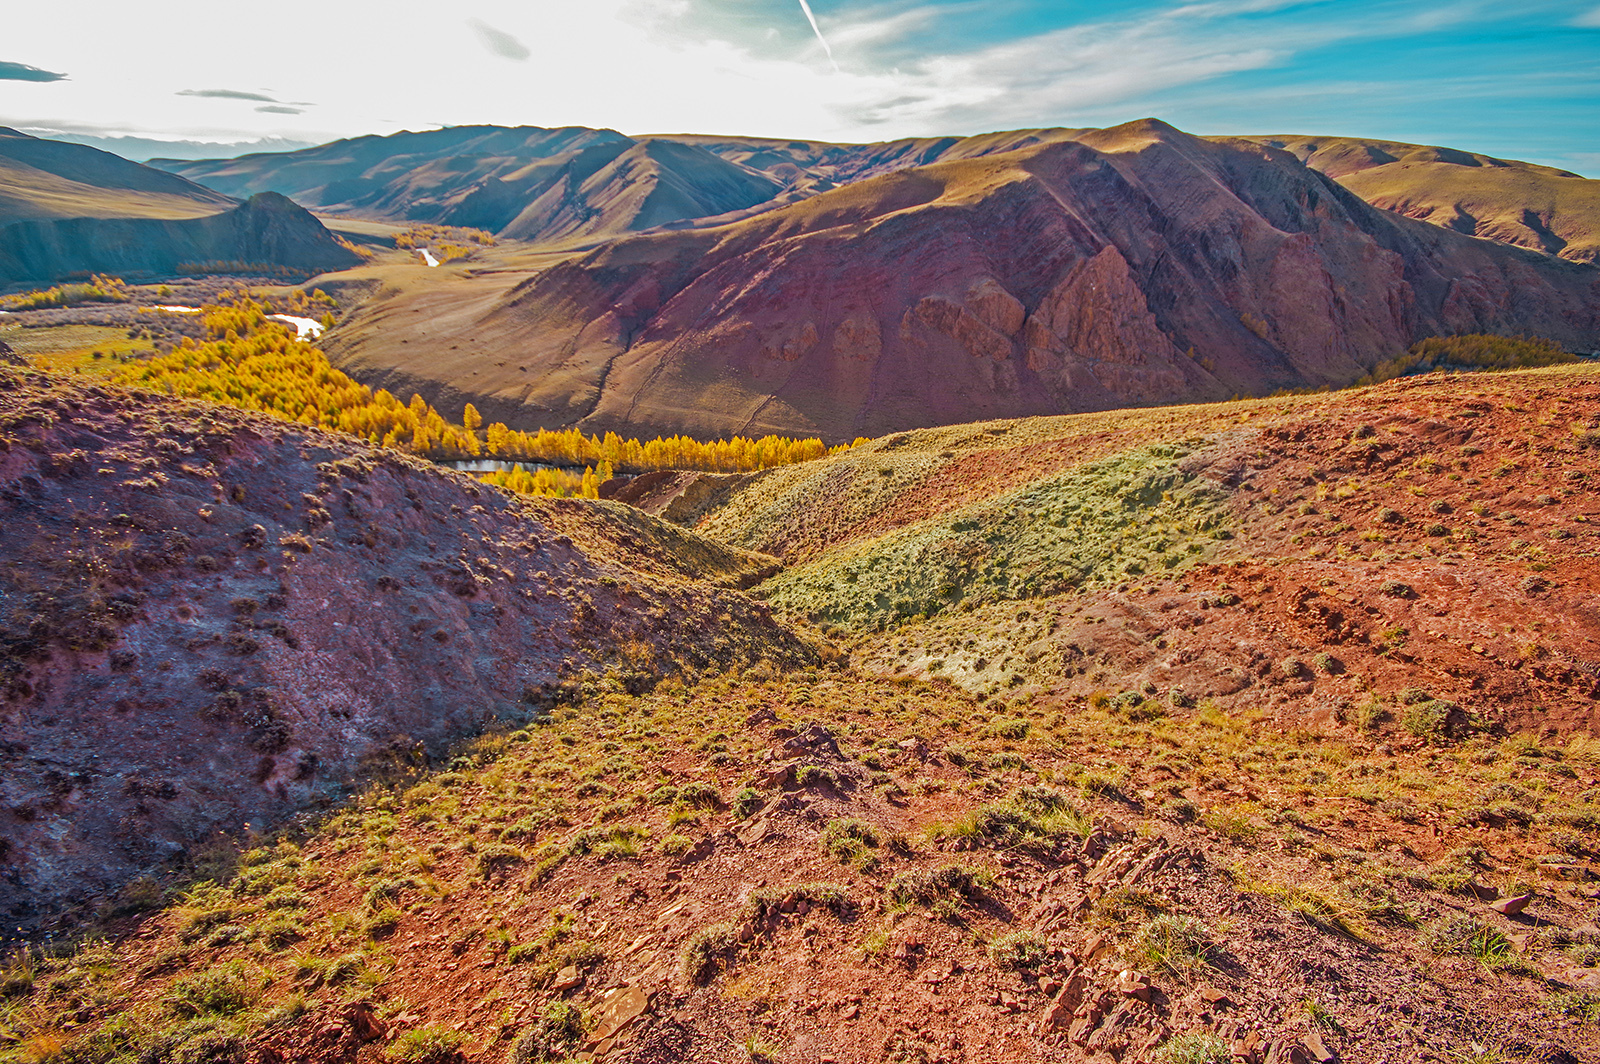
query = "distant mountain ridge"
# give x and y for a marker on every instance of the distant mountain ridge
(69, 208)
(45, 179)
(1125, 266)
(526, 183)
(553, 185)
(1532, 206)
(531, 183)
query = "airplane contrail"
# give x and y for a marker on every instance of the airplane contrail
(804, 6)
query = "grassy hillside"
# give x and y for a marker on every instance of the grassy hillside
(1184, 734)
(1532, 206)
(44, 179)
(262, 609)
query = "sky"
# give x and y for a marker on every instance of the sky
(1520, 80)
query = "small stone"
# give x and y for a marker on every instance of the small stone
(1132, 984)
(566, 979)
(1511, 906)
(1318, 1050)
(1212, 996)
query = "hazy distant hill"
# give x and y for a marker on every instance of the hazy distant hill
(1131, 265)
(543, 185)
(527, 183)
(1532, 206)
(68, 208)
(42, 179)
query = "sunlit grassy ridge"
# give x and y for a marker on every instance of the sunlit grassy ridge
(1109, 520)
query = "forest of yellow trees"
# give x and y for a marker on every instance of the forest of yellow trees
(250, 361)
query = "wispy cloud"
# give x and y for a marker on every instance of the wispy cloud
(281, 109)
(1117, 64)
(499, 42)
(1589, 19)
(24, 72)
(227, 94)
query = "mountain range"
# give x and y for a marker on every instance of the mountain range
(927, 282)
(722, 285)
(69, 209)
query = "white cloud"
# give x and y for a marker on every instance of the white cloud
(1589, 19)
(648, 65)
(499, 42)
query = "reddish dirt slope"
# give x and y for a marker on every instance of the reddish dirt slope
(209, 618)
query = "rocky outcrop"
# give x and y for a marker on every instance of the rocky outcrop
(1129, 265)
(210, 620)
(268, 234)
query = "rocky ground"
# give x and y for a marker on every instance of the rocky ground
(1259, 732)
(210, 620)
(823, 867)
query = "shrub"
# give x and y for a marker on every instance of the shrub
(222, 991)
(1577, 1004)
(1007, 728)
(1179, 810)
(1195, 1049)
(708, 952)
(816, 776)
(1434, 720)
(427, 1045)
(930, 886)
(1462, 934)
(495, 859)
(746, 801)
(557, 1035)
(849, 839)
(698, 795)
(1174, 943)
(1020, 949)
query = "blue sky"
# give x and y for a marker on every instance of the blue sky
(1519, 80)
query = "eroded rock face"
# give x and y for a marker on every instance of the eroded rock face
(1129, 265)
(210, 620)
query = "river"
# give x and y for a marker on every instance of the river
(303, 327)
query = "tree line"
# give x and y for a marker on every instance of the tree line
(245, 359)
